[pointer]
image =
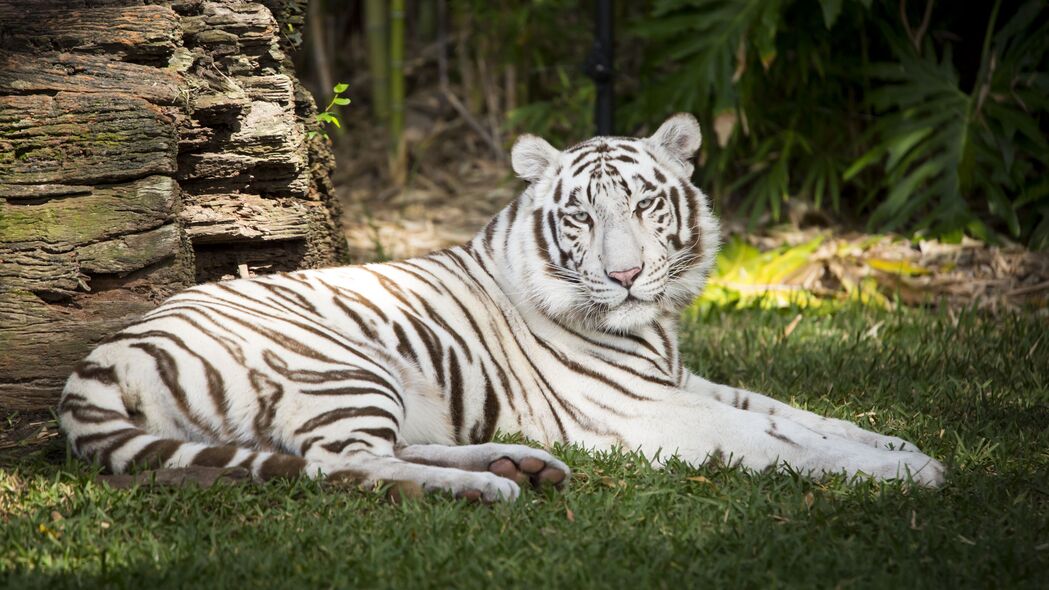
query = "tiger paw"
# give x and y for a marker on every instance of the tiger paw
(537, 471)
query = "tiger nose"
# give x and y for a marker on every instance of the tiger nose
(625, 277)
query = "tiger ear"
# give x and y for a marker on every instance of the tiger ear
(531, 157)
(680, 136)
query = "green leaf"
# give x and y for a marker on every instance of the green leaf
(831, 10)
(764, 32)
(901, 146)
(341, 101)
(340, 88)
(1040, 235)
(1000, 206)
(872, 156)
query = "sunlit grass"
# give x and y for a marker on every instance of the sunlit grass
(971, 390)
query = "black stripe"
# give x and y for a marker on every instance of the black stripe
(256, 305)
(392, 289)
(356, 297)
(588, 372)
(355, 318)
(106, 455)
(90, 413)
(511, 213)
(93, 371)
(335, 391)
(404, 346)
(436, 317)
(491, 411)
(216, 384)
(479, 337)
(323, 377)
(215, 456)
(232, 348)
(333, 416)
(156, 453)
(383, 433)
(455, 393)
(85, 440)
(542, 246)
(167, 369)
(399, 266)
(339, 446)
(432, 342)
(287, 294)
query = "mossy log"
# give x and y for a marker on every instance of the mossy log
(145, 146)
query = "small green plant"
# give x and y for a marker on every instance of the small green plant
(327, 117)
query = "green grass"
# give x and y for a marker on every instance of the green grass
(972, 390)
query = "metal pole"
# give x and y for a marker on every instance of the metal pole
(599, 66)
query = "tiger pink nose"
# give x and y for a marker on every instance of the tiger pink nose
(625, 277)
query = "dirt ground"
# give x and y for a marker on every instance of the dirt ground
(428, 214)
(451, 186)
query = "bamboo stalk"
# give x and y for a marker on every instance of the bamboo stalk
(375, 13)
(426, 23)
(466, 68)
(489, 89)
(397, 87)
(396, 68)
(510, 83)
(318, 43)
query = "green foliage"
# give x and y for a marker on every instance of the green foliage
(968, 389)
(744, 277)
(557, 118)
(938, 128)
(328, 116)
(544, 42)
(910, 117)
(945, 150)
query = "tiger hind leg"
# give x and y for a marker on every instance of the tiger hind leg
(368, 467)
(519, 463)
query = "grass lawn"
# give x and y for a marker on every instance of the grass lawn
(971, 390)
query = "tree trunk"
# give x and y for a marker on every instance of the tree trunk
(144, 148)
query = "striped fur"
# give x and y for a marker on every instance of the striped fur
(380, 371)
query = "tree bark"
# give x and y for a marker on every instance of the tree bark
(144, 147)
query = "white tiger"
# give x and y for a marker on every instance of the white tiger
(558, 321)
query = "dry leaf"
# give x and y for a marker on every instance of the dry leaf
(724, 125)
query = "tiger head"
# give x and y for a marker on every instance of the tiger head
(621, 236)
